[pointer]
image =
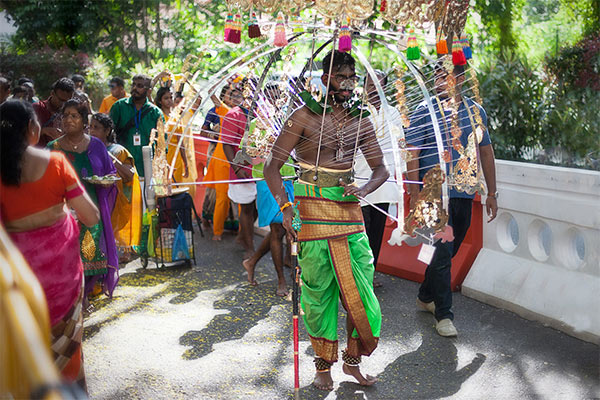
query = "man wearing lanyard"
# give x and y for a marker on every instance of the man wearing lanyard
(435, 295)
(134, 119)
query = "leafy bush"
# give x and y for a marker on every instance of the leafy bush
(546, 118)
(512, 97)
(571, 121)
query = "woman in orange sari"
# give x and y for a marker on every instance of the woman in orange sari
(127, 215)
(37, 189)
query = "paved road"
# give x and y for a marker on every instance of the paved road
(202, 333)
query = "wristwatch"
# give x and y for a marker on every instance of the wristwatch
(494, 195)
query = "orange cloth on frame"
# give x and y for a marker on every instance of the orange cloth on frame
(127, 214)
(218, 170)
(188, 144)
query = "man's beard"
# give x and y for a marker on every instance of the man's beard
(339, 98)
(138, 97)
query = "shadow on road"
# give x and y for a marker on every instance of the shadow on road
(247, 305)
(429, 372)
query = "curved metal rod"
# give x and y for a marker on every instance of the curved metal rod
(432, 112)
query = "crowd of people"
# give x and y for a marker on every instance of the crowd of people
(76, 250)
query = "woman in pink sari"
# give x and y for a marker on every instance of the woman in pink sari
(37, 189)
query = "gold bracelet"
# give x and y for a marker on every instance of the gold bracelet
(286, 205)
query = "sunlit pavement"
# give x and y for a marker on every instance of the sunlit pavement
(203, 333)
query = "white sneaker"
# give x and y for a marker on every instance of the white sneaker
(446, 328)
(428, 307)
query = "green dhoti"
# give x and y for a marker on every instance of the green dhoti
(336, 260)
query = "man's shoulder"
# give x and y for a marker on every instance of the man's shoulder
(154, 109)
(119, 103)
(40, 105)
(302, 112)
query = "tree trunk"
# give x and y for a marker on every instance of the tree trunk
(145, 32)
(159, 38)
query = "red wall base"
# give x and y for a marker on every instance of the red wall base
(402, 260)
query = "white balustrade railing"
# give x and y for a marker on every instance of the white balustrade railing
(540, 257)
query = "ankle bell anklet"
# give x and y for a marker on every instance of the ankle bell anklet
(350, 360)
(321, 364)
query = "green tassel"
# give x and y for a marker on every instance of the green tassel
(413, 53)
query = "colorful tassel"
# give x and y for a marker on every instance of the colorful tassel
(441, 47)
(253, 28)
(458, 57)
(280, 39)
(412, 49)
(228, 24)
(383, 7)
(345, 38)
(235, 34)
(297, 23)
(466, 47)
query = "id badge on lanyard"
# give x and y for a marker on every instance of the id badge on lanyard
(137, 138)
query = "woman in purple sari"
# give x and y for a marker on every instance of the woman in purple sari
(89, 157)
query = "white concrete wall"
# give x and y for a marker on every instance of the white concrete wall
(540, 257)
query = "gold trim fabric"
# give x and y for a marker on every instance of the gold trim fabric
(332, 214)
(88, 246)
(340, 255)
(326, 349)
(315, 209)
(356, 349)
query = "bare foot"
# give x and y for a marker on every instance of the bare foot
(282, 290)
(323, 380)
(217, 238)
(355, 372)
(249, 267)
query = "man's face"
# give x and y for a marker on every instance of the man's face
(441, 82)
(79, 85)
(30, 90)
(342, 83)
(20, 96)
(58, 97)
(139, 89)
(115, 89)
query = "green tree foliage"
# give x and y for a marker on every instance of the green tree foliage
(539, 67)
(497, 16)
(124, 32)
(120, 36)
(513, 101)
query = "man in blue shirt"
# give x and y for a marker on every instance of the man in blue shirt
(435, 294)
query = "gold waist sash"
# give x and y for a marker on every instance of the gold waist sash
(324, 177)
